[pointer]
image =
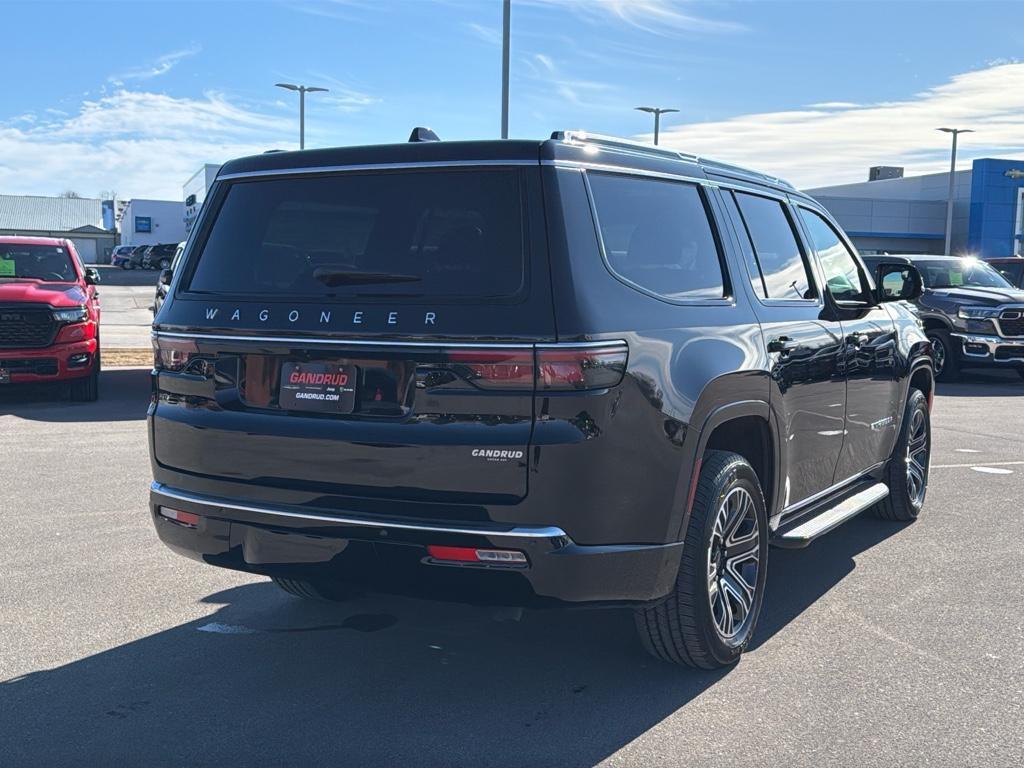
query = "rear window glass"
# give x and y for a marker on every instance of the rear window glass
(657, 235)
(426, 233)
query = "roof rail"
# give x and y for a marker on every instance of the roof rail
(615, 142)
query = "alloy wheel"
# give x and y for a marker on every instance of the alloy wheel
(938, 354)
(918, 454)
(734, 555)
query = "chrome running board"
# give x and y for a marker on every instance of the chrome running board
(807, 531)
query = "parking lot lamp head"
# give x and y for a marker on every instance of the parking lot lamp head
(657, 112)
(302, 90)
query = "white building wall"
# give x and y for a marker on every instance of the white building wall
(198, 186)
(166, 222)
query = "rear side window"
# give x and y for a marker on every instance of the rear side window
(413, 234)
(657, 236)
(773, 245)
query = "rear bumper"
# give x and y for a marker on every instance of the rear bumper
(990, 350)
(391, 556)
(54, 363)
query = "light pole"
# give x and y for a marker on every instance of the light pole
(952, 182)
(506, 23)
(302, 91)
(657, 112)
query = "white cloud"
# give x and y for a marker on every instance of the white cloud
(141, 144)
(489, 35)
(161, 66)
(836, 143)
(661, 17)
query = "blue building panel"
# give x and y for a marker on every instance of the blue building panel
(993, 211)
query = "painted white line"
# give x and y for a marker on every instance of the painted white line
(971, 466)
(966, 450)
(993, 470)
(226, 629)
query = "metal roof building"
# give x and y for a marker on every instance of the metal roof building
(87, 222)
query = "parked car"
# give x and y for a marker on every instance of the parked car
(973, 316)
(1010, 267)
(159, 256)
(135, 258)
(49, 316)
(121, 255)
(164, 280)
(575, 372)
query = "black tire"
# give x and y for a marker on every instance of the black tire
(684, 628)
(165, 263)
(911, 456)
(309, 590)
(945, 354)
(87, 389)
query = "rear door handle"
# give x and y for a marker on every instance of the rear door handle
(782, 344)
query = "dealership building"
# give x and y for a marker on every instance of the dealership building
(892, 213)
(149, 222)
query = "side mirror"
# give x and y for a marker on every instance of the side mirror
(92, 276)
(897, 282)
(165, 276)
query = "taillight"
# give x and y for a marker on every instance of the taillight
(494, 368)
(511, 557)
(580, 368)
(173, 354)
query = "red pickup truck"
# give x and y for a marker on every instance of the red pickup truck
(49, 316)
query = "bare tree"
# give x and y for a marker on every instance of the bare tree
(70, 193)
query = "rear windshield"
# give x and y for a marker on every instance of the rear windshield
(423, 233)
(48, 263)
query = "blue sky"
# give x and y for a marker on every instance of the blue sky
(134, 96)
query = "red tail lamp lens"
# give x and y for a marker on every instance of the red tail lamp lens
(580, 368)
(495, 368)
(173, 354)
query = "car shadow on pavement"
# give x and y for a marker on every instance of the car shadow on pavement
(272, 680)
(124, 396)
(983, 384)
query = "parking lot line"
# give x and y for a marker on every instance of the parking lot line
(976, 464)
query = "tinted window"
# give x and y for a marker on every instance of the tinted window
(436, 233)
(657, 235)
(47, 263)
(842, 275)
(775, 247)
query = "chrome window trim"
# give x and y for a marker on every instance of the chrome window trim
(384, 342)
(547, 532)
(305, 171)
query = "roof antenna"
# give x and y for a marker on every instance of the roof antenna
(423, 134)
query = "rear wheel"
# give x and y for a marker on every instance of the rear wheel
(708, 619)
(907, 471)
(944, 355)
(313, 590)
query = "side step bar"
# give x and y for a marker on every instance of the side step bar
(823, 522)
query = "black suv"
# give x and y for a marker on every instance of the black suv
(973, 316)
(570, 372)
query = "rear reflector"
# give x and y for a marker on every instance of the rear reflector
(179, 516)
(472, 555)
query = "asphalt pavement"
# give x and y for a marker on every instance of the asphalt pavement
(126, 296)
(880, 645)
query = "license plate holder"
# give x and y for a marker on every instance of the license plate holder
(322, 387)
